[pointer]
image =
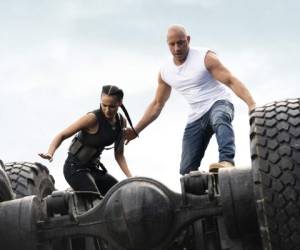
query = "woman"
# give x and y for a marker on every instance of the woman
(95, 131)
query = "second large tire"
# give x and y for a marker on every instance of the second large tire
(30, 179)
(275, 153)
(6, 192)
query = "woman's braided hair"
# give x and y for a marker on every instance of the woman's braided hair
(112, 90)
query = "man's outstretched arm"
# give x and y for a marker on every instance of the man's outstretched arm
(222, 74)
(163, 92)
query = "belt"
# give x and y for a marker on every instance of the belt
(93, 164)
(99, 164)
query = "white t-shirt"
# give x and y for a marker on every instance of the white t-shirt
(194, 82)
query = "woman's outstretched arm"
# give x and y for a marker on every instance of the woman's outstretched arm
(86, 122)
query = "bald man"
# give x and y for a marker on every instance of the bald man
(205, 82)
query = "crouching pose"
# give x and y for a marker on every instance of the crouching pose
(95, 131)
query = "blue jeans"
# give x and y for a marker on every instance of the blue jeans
(198, 133)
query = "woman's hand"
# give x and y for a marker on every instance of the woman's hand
(46, 156)
(129, 135)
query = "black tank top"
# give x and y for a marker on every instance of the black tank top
(106, 134)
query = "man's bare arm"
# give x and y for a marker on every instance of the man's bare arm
(163, 92)
(222, 74)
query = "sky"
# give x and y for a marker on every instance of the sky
(55, 56)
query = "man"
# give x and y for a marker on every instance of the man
(204, 81)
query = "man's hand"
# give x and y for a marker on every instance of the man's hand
(251, 107)
(129, 135)
(46, 156)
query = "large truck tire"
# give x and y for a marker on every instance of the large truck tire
(30, 179)
(6, 192)
(275, 153)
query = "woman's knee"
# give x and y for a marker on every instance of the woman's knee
(81, 181)
(104, 182)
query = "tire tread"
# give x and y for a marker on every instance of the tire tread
(275, 153)
(26, 179)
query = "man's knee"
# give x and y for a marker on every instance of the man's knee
(222, 114)
(220, 118)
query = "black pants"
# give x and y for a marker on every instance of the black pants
(87, 178)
